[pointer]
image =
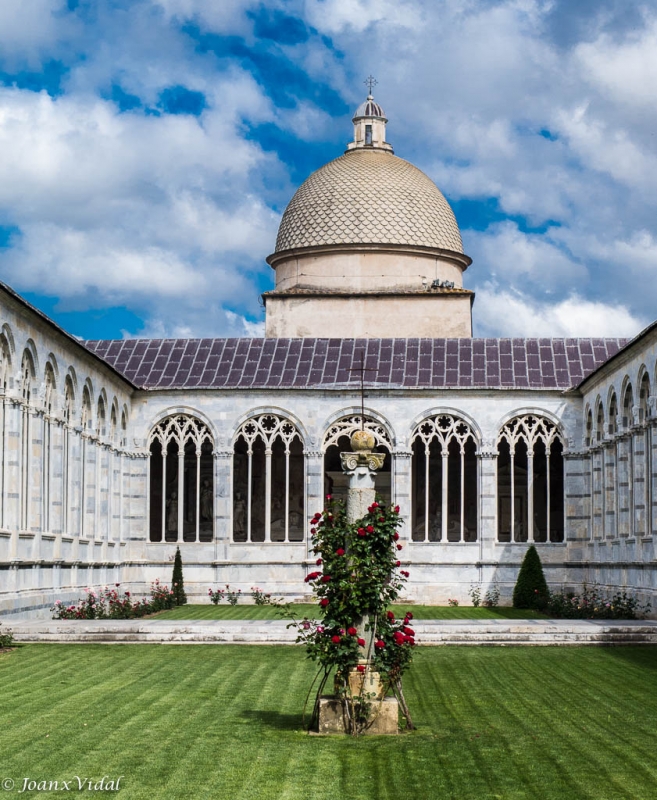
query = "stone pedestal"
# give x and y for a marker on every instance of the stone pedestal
(384, 721)
(368, 683)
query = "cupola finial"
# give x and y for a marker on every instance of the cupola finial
(369, 123)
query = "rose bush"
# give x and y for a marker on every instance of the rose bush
(359, 579)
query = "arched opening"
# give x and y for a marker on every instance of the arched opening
(27, 385)
(337, 440)
(444, 480)
(530, 486)
(181, 481)
(268, 481)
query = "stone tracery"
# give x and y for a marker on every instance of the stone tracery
(444, 480)
(181, 480)
(268, 480)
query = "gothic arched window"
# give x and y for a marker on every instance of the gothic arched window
(101, 421)
(268, 481)
(628, 406)
(85, 416)
(444, 480)
(530, 484)
(337, 440)
(644, 394)
(181, 480)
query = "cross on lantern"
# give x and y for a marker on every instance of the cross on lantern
(362, 369)
(370, 81)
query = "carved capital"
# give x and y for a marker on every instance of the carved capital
(364, 458)
(316, 454)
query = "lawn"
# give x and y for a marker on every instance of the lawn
(302, 610)
(224, 723)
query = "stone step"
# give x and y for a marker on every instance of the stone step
(428, 632)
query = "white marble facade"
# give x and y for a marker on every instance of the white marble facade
(75, 476)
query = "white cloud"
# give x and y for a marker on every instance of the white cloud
(135, 209)
(511, 313)
(27, 27)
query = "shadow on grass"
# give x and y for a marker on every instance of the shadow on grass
(277, 720)
(643, 656)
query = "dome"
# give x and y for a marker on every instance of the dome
(369, 196)
(369, 109)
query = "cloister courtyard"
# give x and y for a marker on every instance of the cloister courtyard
(202, 721)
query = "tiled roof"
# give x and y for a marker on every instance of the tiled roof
(332, 363)
(369, 197)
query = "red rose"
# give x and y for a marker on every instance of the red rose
(399, 637)
(318, 562)
(361, 642)
(326, 578)
(370, 529)
(390, 615)
(379, 644)
(405, 574)
(396, 509)
(324, 602)
(339, 552)
(352, 631)
(398, 563)
(395, 536)
(409, 615)
(329, 497)
(361, 668)
(361, 532)
(382, 519)
(335, 639)
(313, 531)
(409, 631)
(409, 640)
(399, 547)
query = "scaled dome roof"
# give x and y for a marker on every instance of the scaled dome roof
(368, 196)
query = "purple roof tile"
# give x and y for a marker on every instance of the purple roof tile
(533, 364)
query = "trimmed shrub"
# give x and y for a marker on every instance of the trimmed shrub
(177, 583)
(531, 589)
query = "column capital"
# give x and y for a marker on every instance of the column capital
(318, 454)
(403, 454)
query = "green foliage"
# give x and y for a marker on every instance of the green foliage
(260, 598)
(531, 589)
(360, 577)
(591, 603)
(177, 582)
(111, 603)
(475, 595)
(6, 638)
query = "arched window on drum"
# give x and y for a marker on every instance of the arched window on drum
(268, 481)
(444, 480)
(181, 480)
(530, 485)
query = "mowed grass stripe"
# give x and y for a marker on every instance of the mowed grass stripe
(203, 721)
(301, 610)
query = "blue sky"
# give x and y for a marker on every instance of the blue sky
(150, 147)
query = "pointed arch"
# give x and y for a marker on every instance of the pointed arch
(268, 480)
(530, 480)
(444, 479)
(181, 480)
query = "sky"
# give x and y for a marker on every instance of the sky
(148, 149)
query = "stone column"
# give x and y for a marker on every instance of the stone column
(223, 510)
(401, 464)
(361, 466)
(314, 491)
(487, 522)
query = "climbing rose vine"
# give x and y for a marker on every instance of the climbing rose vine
(358, 576)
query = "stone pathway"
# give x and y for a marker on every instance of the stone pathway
(428, 632)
